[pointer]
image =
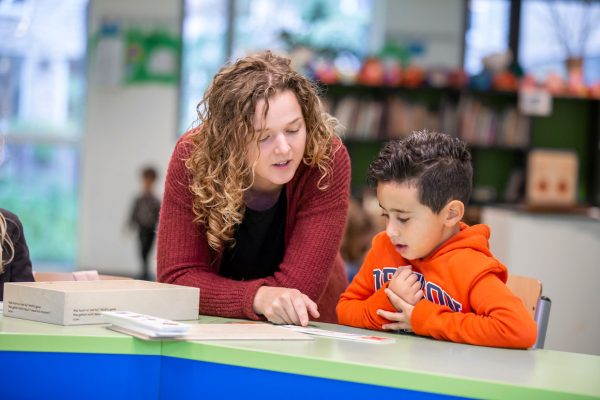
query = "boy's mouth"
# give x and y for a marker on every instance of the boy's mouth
(400, 247)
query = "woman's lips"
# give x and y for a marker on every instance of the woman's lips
(282, 164)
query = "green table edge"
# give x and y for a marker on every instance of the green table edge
(229, 354)
(121, 344)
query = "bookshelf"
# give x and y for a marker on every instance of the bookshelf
(498, 135)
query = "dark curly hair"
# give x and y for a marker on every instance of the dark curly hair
(439, 166)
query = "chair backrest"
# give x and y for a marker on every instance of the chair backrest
(73, 276)
(538, 306)
(528, 289)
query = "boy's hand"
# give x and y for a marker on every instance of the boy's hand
(406, 285)
(401, 318)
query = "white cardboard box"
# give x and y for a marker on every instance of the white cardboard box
(81, 302)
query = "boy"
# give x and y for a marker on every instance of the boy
(429, 272)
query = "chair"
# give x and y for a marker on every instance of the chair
(538, 306)
(91, 275)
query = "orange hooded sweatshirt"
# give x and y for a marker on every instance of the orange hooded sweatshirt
(466, 299)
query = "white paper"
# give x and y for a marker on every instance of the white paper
(356, 337)
(228, 331)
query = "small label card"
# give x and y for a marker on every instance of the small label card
(356, 337)
(535, 101)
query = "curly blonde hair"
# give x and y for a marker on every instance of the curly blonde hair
(5, 244)
(219, 172)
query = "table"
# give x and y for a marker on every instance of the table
(51, 361)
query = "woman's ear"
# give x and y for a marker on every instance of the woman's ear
(455, 210)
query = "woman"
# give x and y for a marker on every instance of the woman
(15, 265)
(256, 199)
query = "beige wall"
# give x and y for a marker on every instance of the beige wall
(563, 252)
(126, 127)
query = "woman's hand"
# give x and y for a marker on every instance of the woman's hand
(284, 306)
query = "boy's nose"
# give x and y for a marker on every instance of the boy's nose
(391, 229)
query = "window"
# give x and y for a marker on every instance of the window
(262, 24)
(42, 82)
(487, 31)
(552, 31)
(325, 25)
(204, 39)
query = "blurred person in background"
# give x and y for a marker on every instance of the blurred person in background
(15, 265)
(144, 217)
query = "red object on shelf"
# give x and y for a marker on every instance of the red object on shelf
(555, 84)
(528, 81)
(372, 72)
(576, 85)
(414, 76)
(594, 90)
(458, 79)
(326, 73)
(506, 81)
(392, 72)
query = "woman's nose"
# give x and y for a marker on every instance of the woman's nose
(281, 144)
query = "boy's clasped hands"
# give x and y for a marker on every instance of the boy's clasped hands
(404, 291)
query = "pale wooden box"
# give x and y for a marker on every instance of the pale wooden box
(81, 302)
(552, 178)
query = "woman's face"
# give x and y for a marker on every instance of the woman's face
(281, 142)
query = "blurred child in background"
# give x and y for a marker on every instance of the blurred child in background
(360, 229)
(144, 217)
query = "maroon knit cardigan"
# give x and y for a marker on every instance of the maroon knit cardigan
(314, 226)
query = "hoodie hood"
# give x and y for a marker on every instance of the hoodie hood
(474, 237)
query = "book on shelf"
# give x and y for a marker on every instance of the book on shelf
(345, 112)
(368, 119)
(468, 118)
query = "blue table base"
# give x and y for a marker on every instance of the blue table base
(33, 375)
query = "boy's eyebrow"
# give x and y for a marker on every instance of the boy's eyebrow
(395, 210)
(400, 211)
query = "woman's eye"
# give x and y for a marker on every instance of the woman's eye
(385, 216)
(263, 139)
(402, 220)
(293, 131)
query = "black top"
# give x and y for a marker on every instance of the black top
(19, 269)
(259, 244)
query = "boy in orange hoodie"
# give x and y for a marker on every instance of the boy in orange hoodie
(429, 272)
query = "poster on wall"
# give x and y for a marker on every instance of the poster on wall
(124, 54)
(151, 56)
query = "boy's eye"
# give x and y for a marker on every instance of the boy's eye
(402, 220)
(384, 215)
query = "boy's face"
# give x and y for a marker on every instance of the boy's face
(414, 229)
